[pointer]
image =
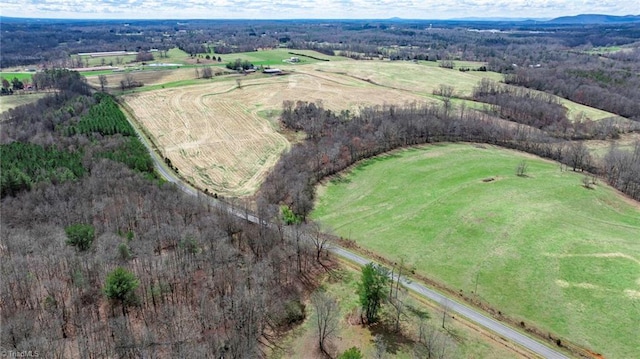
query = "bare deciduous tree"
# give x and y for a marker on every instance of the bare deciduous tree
(327, 312)
(399, 310)
(320, 240)
(207, 73)
(521, 170)
(577, 156)
(380, 347)
(433, 343)
(103, 82)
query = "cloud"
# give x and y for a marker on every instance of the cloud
(288, 9)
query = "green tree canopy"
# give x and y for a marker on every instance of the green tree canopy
(372, 290)
(80, 235)
(351, 353)
(120, 286)
(289, 217)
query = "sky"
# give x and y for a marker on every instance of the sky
(310, 9)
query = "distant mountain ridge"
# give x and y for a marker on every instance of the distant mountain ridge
(499, 19)
(595, 19)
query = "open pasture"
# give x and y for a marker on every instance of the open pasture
(149, 77)
(155, 77)
(174, 55)
(425, 77)
(578, 112)
(19, 75)
(214, 132)
(13, 101)
(626, 142)
(542, 248)
(274, 58)
(408, 76)
(115, 60)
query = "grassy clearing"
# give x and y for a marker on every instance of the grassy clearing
(543, 248)
(626, 142)
(274, 57)
(13, 101)
(457, 64)
(576, 111)
(604, 50)
(420, 78)
(265, 58)
(20, 75)
(426, 76)
(153, 78)
(158, 78)
(342, 285)
(174, 55)
(417, 79)
(119, 60)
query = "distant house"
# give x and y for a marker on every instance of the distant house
(272, 71)
(292, 60)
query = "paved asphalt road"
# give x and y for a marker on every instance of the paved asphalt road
(461, 309)
(455, 307)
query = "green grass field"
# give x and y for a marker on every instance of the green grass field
(274, 57)
(20, 75)
(271, 58)
(107, 60)
(544, 249)
(457, 64)
(264, 58)
(604, 50)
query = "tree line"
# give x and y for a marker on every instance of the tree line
(335, 141)
(611, 85)
(539, 110)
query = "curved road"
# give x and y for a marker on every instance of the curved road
(453, 306)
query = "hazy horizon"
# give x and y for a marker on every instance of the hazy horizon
(309, 9)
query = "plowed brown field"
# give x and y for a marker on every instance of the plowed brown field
(214, 135)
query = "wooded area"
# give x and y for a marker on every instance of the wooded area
(99, 261)
(102, 258)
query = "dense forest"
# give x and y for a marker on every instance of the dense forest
(102, 259)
